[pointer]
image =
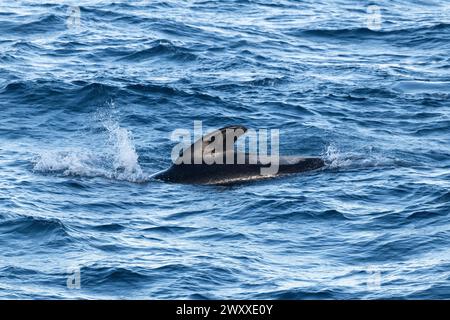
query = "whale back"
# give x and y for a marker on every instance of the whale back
(231, 173)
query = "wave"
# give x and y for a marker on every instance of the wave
(445, 198)
(286, 107)
(94, 276)
(78, 95)
(173, 91)
(360, 32)
(112, 227)
(14, 87)
(10, 58)
(97, 276)
(423, 87)
(154, 88)
(176, 230)
(266, 81)
(420, 215)
(256, 82)
(26, 46)
(161, 48)
(300, 294)
(51, 230)
(92, 93)
(45, 24)
(438, 291)
(16, 272)
(215, 234)
(438, 128)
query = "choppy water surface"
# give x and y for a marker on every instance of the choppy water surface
(90, 92)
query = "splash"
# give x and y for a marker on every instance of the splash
(337, 159)
(125, 158)
(112, 156)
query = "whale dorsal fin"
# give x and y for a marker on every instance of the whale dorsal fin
(228, 135)
(231, 133)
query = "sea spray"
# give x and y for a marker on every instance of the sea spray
(112, 156)
(124, 157)
(337, 158)
(334, 158)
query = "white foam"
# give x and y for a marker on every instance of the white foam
(78, 162)
(336, 159)
(125, 157)
(112, 156)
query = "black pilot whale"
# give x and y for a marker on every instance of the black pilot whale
(202, 163)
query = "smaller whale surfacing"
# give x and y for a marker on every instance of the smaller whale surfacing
(212, 160)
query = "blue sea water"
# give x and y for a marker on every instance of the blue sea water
(90, 92)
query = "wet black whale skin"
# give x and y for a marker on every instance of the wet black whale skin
(224, 173)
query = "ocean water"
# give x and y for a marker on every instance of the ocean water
(90, 92)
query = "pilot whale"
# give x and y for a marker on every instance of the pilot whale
(203, 163)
